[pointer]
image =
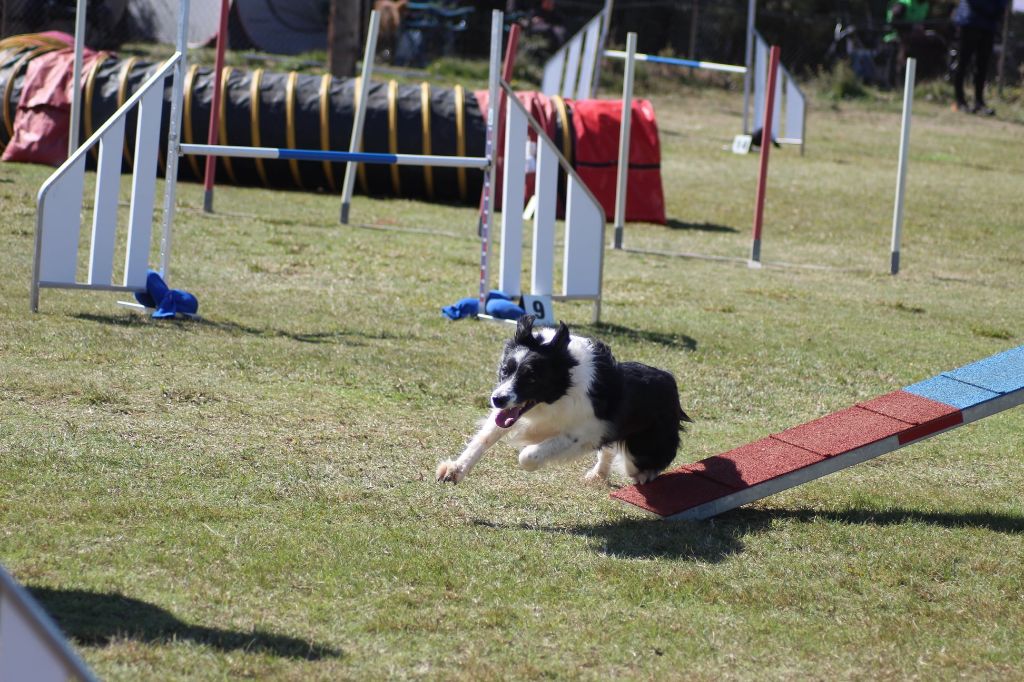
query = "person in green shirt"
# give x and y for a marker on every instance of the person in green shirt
(906, 18)
(906, 15)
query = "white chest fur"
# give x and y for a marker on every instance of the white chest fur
(571, 415)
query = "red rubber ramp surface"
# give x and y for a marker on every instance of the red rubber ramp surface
(927, 416)
(794, 456)
(695, 484)
(672, 492)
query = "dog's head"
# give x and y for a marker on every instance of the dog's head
(534, 368)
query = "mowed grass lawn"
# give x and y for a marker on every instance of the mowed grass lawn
(252, 495)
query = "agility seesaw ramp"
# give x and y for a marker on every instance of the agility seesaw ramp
(842, 439)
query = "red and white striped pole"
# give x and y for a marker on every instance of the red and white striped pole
(507, 67)
(491, 152)
(766, 145)
(211, 136)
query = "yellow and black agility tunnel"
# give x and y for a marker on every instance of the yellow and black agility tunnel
(289, 110)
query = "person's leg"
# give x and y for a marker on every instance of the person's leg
(966, 51)
(983, 52)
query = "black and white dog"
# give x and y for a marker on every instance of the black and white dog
(560, 397)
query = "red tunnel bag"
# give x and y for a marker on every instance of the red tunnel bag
(596, 130)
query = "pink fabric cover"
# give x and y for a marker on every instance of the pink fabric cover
(44, 109)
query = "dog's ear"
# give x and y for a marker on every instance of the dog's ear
(524, 331)
(560, 341)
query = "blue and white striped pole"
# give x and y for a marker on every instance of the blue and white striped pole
(335, 156)
(673, 61)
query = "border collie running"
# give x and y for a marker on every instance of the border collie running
(560, 397)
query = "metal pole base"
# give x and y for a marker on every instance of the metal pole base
(755, 254)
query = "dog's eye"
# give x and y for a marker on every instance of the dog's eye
(509, 367)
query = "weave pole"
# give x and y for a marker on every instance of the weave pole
(901, 171)
(356, 140)
(748, 63)
(211, 135)
(507, 67)
(174, 138)
(76, 77)
(621, 179)
(766, 145)
(490, 151)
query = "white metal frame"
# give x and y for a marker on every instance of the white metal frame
(31, 645)
(583, 249)
(60, 199)
(790, 109)
(572, 71)
(58, 221)
(59, 204)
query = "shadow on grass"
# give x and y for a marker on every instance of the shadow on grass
(95, 619)
(129, 320)
(999, 523)
(717, 539)
(653, 539)
(701, 227)
(610, 332)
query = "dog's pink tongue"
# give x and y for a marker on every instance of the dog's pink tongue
(507, 417)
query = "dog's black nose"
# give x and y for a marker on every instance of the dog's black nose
(499, 401)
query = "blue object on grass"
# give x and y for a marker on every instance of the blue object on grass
(503, 308)
(465, 307)
(167, 302)
(497, 304)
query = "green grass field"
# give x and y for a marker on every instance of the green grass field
(252, 495)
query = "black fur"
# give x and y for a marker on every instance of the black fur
(642, 405)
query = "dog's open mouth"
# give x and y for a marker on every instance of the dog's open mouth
(510, 415)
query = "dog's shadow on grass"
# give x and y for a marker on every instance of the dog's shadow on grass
(651, 539)
(336, 336)
(717, 539)
(96, 619)
(615, 332)
(682, 540)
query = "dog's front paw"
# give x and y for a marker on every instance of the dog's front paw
(595, 477)
(449, 471)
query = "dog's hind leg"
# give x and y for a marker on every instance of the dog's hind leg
(599, 472)
(557, 449)
(453, 471)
